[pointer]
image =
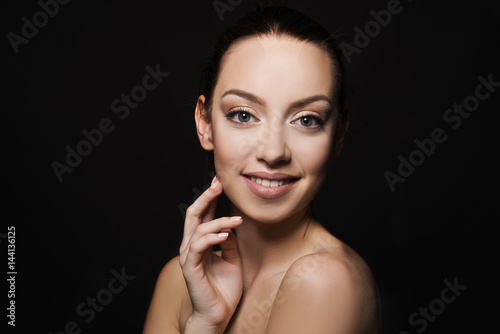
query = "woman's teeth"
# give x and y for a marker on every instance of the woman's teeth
(269, 183)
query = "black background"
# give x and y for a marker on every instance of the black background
(120, 207)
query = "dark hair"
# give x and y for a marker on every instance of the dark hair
(277, 21)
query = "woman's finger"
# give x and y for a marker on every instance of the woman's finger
(210, 228)
(209, 213)
(215, 226)
(229, 248)
(194, 254)
(196, 211)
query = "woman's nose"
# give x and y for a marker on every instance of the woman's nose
(272, 145)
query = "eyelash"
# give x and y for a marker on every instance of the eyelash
(320, 122)
(230, 115)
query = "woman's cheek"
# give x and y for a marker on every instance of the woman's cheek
(312, 160)
(229, 148)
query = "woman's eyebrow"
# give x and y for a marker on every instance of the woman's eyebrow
(297, 104)
(304, 102)
(246, 95)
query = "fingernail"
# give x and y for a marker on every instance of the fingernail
(214, 182)
(223, 235)
(235, 218)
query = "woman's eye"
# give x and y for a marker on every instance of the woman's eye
(244, 117)
(240, 116)
(310, 121)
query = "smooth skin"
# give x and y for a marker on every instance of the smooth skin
(284, 273)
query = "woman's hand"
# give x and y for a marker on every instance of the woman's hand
(215, 283)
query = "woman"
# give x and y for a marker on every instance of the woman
(271, 108)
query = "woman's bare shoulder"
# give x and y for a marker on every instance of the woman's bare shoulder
(169, 299)
(337, 255)
(339, 282)
(337, 266)
(334, 261)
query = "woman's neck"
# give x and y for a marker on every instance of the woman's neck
(270, 248)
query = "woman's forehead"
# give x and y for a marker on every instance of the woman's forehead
(270, 66)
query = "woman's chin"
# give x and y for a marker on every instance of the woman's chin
(272, 214)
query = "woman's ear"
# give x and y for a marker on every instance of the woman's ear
(203, 126)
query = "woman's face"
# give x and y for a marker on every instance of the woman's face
(273, 112)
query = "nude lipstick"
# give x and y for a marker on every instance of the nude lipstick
(269, 186)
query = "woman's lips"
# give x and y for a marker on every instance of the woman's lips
(276, 188)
